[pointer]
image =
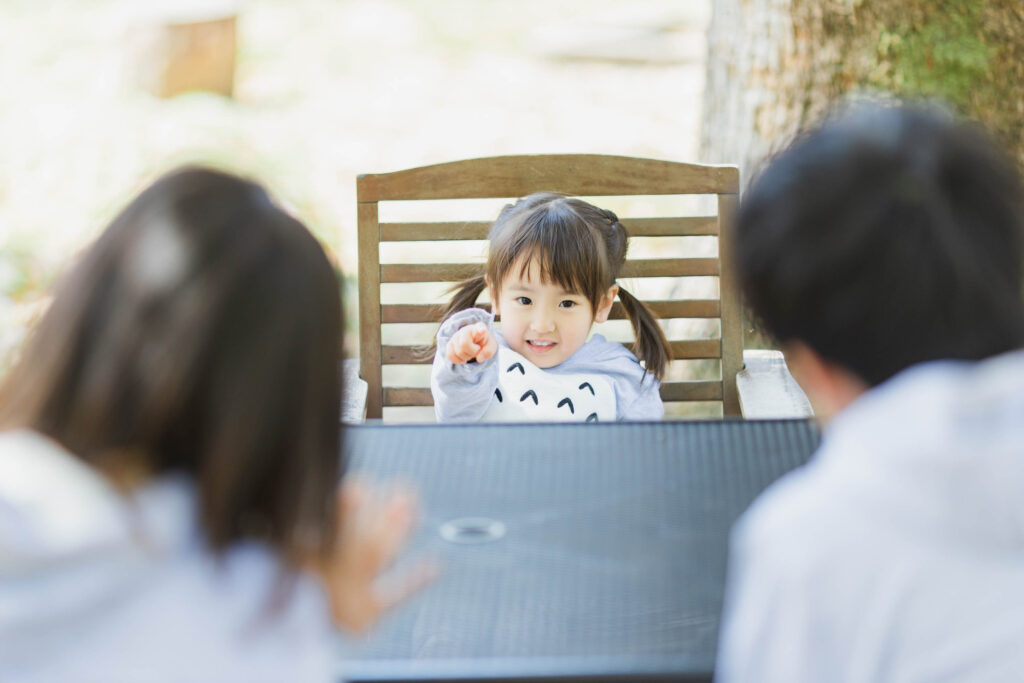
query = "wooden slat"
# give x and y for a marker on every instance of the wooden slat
(686, 308)
(574, 174)
(429, 272)
(369, 306)
(689, 226)
(408, 396)
(670, 267)
(695, 349)
(705, 390)
(414, 313)
(432, 232)
(454, 272)
(431, 313)
(689, 349)
(477, 230)
(732, 311)
(404, 355)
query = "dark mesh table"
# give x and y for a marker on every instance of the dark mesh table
(613, 553)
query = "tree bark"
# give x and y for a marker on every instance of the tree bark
(775, 66)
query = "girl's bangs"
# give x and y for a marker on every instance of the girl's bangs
(568, 255)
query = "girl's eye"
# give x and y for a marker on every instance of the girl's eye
(523, 300)
(567, 304)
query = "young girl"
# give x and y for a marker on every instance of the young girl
(551, 271)
(169, 456)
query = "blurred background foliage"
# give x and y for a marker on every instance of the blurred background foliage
(324, 90)
(327, 89)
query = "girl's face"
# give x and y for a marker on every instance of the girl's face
(540, 320)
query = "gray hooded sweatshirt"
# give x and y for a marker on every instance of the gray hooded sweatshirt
(602, 381)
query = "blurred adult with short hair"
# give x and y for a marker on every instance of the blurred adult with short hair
(884, 251)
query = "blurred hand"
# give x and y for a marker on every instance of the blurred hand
(373, 528)
(472, 342)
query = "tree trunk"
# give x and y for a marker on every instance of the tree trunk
(774, 66)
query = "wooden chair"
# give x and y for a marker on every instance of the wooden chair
(510, 177)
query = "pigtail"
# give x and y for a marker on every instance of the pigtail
(465, 295)
(651, 345)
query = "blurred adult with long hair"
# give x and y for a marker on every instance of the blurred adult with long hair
(170, 455)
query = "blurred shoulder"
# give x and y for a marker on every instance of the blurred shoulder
(799, 519)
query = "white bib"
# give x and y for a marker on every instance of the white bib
(527, 393)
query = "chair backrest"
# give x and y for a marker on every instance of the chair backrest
(582, 175)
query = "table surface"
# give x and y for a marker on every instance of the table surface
(613, 555)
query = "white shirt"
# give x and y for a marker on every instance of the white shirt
(897, 554)
(526, 393)
(95, 586)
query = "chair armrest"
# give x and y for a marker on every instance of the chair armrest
(767, 390)
(353, 402)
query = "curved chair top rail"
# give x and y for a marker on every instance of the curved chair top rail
(572, 174)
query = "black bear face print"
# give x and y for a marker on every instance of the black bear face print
(526, 393)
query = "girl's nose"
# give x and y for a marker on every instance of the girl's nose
(543, 324)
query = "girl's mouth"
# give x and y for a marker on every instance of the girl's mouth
(538, 346)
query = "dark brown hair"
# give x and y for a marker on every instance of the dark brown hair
(887, 237)
(200, 334)
(578, 246)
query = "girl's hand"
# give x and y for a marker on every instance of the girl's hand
(471, 342)
(373, 527)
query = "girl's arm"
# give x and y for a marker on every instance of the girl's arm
(462, 391)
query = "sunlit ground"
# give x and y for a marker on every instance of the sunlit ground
(325, 90)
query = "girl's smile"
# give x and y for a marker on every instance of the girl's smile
(539, 346)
